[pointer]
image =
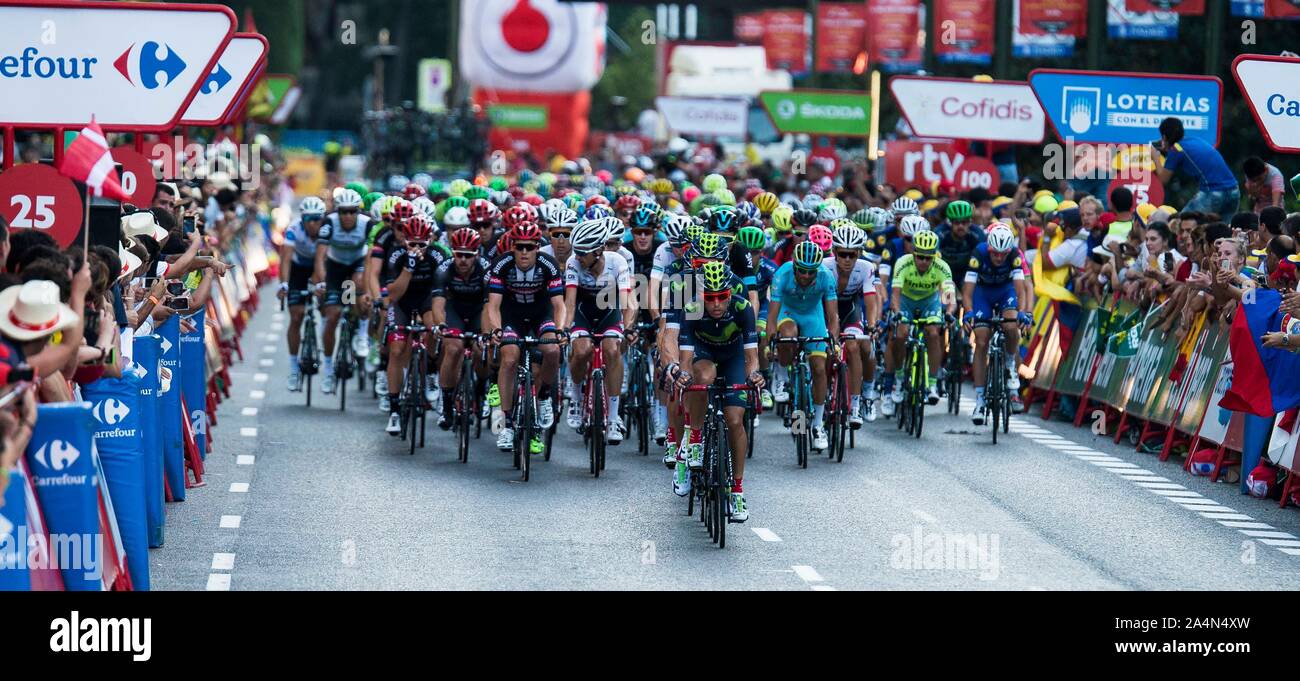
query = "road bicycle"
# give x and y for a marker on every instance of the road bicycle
(346, 362)
(595, 408)
(838, 401)
(524, 408)
(997, 399)
(638, 404)
(412, 405)
(309, 347)
(711, 484)
(916, 374)
(955, 363)
(799, 419)
(467, 395)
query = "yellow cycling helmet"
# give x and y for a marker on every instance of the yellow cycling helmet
(766, 202)
(781, 218)
(914, 194)
(925, 242)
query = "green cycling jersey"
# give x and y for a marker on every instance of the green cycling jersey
(919, 285)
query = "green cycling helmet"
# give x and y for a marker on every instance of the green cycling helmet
(709, 247)
(716, 276)
(863, 219)
(436, 187)
(751, 238)
(694, 233)
(807, 255)
(841, 222)
(959, 210)
(476, 192)
(725, 197)
(358, 187)
(458, 187)
(369, 199)
(713, 182)
(498, 184)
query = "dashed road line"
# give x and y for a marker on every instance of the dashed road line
(247, 432)
(245, 460)
(239, 487)
(807, 573)
(230, 522)
(219, 581)
(223, 561)
(765, 534)
(248, 411)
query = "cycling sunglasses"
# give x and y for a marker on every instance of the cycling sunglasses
(927, 258)
(348, 211)
(312, 218)
(800, 235)
(525, 248)
(582, 254)
(716, 296)
(465, 254)
(561, 234)
(643, 231)
(417, 244)
(846, 254)
(806, 270)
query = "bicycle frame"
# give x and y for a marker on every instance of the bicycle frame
(713, 483)
(801, 397)
(524, 407)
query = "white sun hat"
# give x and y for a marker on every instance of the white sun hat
(33, 310)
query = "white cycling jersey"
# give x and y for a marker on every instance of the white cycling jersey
(664, 257)
(616, 273)
(861, 280)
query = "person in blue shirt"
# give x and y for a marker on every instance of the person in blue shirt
(1217, 190)
(804, 303)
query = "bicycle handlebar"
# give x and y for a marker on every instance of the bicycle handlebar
(804, 339)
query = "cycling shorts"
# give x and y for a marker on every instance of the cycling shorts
(335, 275)
(924, 311)
(730, 364)
(808, 325)
(299, 280)
(988, 302)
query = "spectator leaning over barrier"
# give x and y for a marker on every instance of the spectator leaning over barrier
(1217, 190)
(1073, 251)
(1264, 185)
(1224, 281)
(1121, 204)
(30, 314)
(165, 196)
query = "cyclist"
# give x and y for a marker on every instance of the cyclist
(896, 248)
(598, 300)
(560, 226)
(957, 243)
(340, 257)
(645, 247)
(801, 220)
(298, 256)
(804, 304)
(525, 298)
(923, 288)
(717, 335)
(989, 293)
(753, 240)
(412, 268)
(386, 239)
(615, 230)
(855, 289)
(460, 288)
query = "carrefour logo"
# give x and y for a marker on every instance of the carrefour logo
(111, 411)
(57, 455)
(143, 65)
(32, 64)
(216, 80)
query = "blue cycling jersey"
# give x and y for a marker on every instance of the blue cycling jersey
(798, 299)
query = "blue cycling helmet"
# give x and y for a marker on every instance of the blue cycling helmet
(597, 212)
(807, 255)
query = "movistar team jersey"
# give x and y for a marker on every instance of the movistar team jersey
(763, 277)
(919, 285)
(678, 275)
(735, 328)
(983, 272)
(802, 299)
(346, 246)
(895, 249)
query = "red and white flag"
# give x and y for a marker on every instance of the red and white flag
(88, 160)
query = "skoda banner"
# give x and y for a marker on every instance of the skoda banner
(129, 65)
(819, 112)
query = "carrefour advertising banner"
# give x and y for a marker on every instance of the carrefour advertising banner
(243, 60)
(61, 456)
(129, 65)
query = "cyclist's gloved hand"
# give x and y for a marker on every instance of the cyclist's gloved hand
(757, 379)
(1026, 318)
(412, 259)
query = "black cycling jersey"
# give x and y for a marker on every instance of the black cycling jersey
(642, 264)
(464, 292)
(957, 252)
(422, 277)
(530, 288)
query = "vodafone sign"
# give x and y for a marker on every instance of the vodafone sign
(999, 111)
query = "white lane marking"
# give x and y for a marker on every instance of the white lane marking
(277, 316)
(219, 582)
(247, 432)
(223, 561)
(257, 395)
(925, 516)
(1176, 493)
(266, 362)
(1225, 516)
(261, 378)
(1246, 524)
(765, 534)
(1141, 477)
(248, 411)
(1268, 534)
(1281, 542)
(239, 487)
(1290, 552)
(1116, 464)
(1099, 457)
(268, 348)
(1158, 485)
(823, 587)
(807, 573)
(245, 460)
(873, 482)
(230, 522)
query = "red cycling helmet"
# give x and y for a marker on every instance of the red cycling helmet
(516, 215)
(525, 231)
(752, 192)
(516, 192)
(481, 212)
(626, 204)
(417, 228)
(465, 239)
(414, 191)
(534, 200)
(403, 210)
(505, 244)
(597, 199)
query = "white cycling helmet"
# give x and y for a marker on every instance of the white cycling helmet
(903, 207)
(456, 217)
(348, 198)
(912, 224)
(674, 228)
(1000, 238)
(426, 207)
(614, 229)
(563, 218)
(848, 237)
(312, 205)
(589, 236)
(833, 209)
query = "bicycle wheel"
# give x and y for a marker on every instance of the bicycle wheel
(464, 407)
(596, 429)
(804, 417)
(994, 392)
(524, 429)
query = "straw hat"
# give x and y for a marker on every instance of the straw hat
(142, 224)
(33, 311)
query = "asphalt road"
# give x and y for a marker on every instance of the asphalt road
(316, 499)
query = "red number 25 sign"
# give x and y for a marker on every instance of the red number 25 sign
(38, 197)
